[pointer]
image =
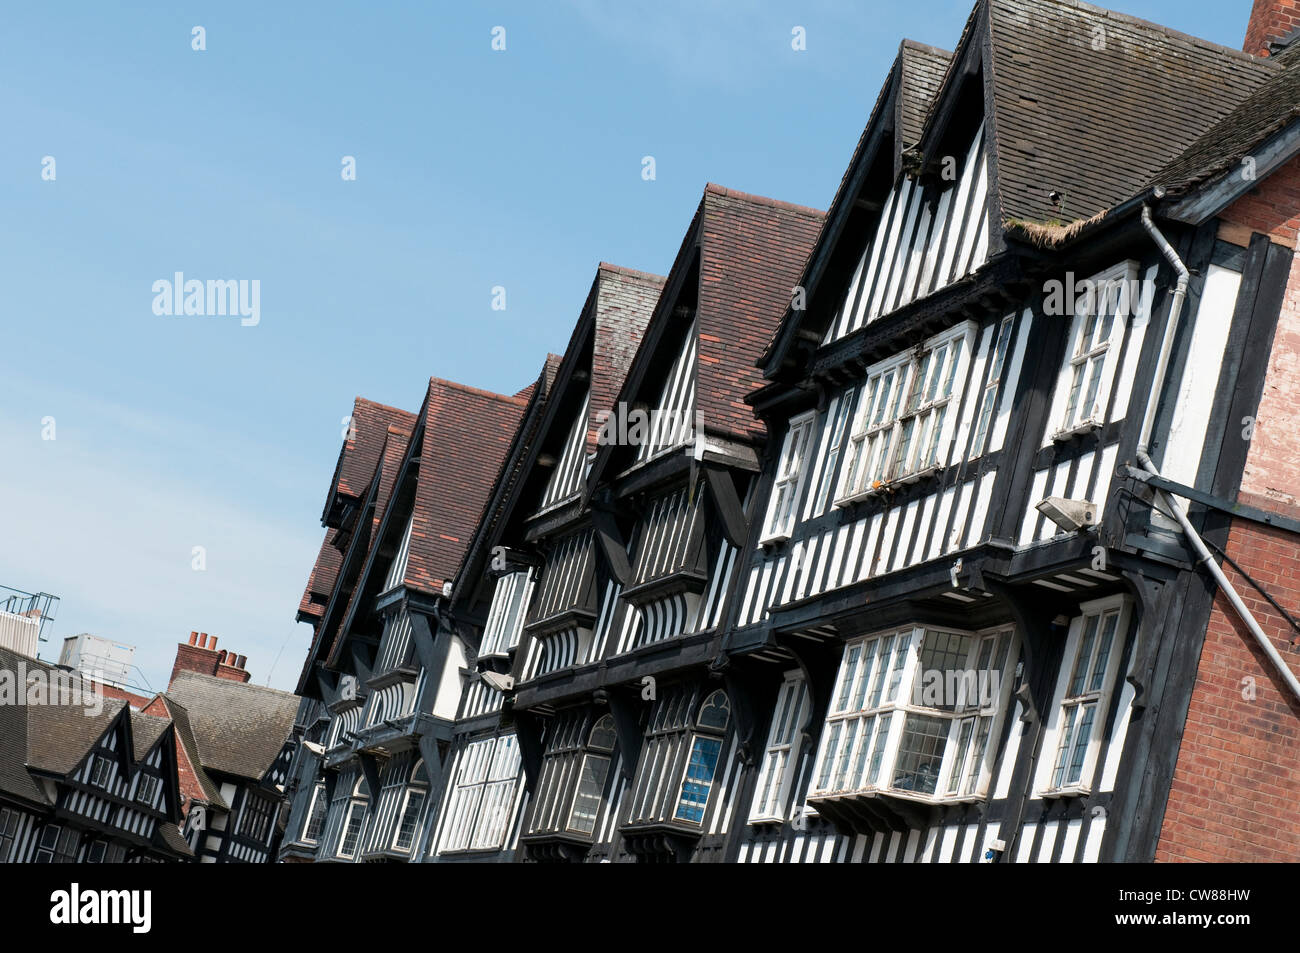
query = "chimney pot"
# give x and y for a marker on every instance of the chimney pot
(194, 637)
(212, 643)
(203, 640)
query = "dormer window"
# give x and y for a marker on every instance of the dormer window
(146, 788)
(101, 771)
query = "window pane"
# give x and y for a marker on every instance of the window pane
(591, 787)
(699, 779)
(1081, 660)
(920, 754)
(1080, 745)
(1103, 651)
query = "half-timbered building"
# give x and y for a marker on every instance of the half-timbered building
(629, 739)
(386, 661)
(233, 740)
(529, 596)
(886, 535)
(83, 782)
(973, 588)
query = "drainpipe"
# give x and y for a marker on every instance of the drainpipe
(1144, 458)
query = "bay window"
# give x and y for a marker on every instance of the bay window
(482, 801)
(702, 764)
(906, 417)
(912, 714)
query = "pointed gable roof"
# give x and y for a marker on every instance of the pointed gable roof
(1093, 104)
(752, 252)
(896, 123)
(360, 452)
(625, 299)
(467, 433)
(238, 728)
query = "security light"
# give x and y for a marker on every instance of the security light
(1070, 515)
(502, 683)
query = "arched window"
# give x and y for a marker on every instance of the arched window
(591, 780)
(706, 748)
(412, 804)
(602, 734)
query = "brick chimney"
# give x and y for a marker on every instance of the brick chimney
(200, 655)
(1273, 25)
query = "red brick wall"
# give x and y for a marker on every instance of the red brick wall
(1270, 20)
(1233, 796)
(188, 781)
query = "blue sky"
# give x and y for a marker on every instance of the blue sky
(474, 168)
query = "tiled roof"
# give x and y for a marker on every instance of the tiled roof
(625, 299)
(1093, 103)
(1271, 107)
(185, 739)
(168, 836)
(324, 574)
(752, 253)
(239, 728)
(59, 736)
(922, 71)
(467, 433)
(14, 777)
(145, 732)
(360, 454)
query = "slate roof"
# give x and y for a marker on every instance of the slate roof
(185, 738)
(1098, 124)
(752, 253)
(239, 728)
(922, 71)
(1274, 105)
(145, 732)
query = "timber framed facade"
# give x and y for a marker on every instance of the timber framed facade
(865, 536)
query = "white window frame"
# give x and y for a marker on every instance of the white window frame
(702, 734)
(879, 691)
(483, 801)
(317, 796)
(1093, 351)
(1062, 732)
(986, 410)
(356, 802)
(781, 756)
(146, 787)
(100, 778)
(412, 790)
(792, 467)
(837, 435)
(506, 615)
(895, 437)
